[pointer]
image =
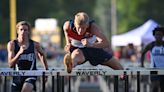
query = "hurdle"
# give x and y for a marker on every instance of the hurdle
(61, 73)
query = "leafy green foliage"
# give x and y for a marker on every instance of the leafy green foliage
(130, 13)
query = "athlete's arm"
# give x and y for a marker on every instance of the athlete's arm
(68, 43)
(12, 58)
(147, 48)
(41, 54)
(102, 41)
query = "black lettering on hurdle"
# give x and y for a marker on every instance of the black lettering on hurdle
(90, 73)
(12, 73)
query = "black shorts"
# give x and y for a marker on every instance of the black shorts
(95, 55)
(159, 78)
(18, 82)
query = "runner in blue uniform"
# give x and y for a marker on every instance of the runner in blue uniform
(22, 54)
(157, 58)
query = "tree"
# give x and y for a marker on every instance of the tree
(128, 14)
(4, 21)
(102, 15)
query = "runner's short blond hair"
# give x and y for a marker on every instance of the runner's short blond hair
(23, 23)
(81, 18)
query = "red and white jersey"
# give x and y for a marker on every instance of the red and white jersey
(76, 39)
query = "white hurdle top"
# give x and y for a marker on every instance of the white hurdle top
(81, 72)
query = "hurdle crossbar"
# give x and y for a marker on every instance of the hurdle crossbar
(81, 72)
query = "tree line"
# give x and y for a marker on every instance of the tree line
(130, 13)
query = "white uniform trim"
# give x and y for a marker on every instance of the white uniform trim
(157, 57)
(77, 43)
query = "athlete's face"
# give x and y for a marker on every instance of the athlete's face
(158, 35)
(23, 31)
(81, 29)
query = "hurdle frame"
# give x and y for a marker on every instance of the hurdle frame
(60, 73)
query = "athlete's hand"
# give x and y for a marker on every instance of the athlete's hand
(67, 48)
(84, 42)
(22, 48)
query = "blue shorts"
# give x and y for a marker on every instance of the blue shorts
(157, 77)
(18, 82)
(95, 55)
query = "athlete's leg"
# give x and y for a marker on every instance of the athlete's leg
(155, 86)
(16, 88)
(162, 83)
(68, 62)
(77, 57)
(27, 87)
(71, 60)
(114, 64)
